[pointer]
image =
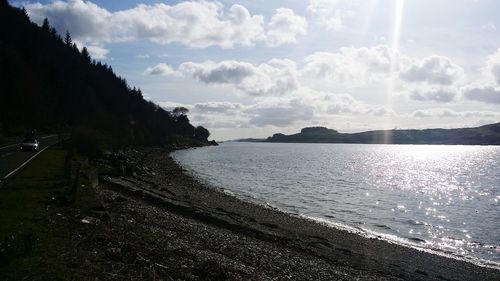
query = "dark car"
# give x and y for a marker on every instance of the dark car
(30, 143)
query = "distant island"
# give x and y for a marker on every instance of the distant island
(483, 135)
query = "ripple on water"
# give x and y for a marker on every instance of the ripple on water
(418, 194)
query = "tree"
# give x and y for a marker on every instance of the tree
(180, 110)
(201, 133)
(85, 54)
(48, 84)
(67, 40)
(46, 26)
(25, 12)
(53, 34)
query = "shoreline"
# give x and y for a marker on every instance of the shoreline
(405, 242)
(170, 186)
(364, 232)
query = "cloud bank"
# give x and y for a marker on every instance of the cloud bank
(195, 24)
(276, 77)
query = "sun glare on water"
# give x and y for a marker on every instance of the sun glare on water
(434, 152)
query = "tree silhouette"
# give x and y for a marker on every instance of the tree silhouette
(201, 133)
(67, 39)
(49, 85)
(180, 110)
(85, 54)
(46, 26)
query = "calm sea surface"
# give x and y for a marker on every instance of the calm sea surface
(446, 198)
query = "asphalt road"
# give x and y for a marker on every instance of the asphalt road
(12, 158)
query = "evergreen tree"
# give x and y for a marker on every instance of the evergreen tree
(67, 39)
(85, 54)
(53, 34)
(46, 26)
(48, 84)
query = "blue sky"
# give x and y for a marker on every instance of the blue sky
(253, 68)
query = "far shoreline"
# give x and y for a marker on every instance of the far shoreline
(356, 143)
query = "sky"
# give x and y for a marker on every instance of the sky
(255, 68)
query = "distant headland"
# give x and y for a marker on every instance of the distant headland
(483, 135)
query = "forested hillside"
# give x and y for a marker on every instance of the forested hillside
(48, 84)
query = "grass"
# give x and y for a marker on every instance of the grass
(39, 234)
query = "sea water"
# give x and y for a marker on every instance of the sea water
(440, 197)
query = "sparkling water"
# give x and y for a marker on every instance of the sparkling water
(439, 197)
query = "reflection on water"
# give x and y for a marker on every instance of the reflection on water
(442, 197)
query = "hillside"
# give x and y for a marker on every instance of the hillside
(48, 84)
(484, 135)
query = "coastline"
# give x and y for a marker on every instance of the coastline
(328, 252)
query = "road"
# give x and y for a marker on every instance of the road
(11, 158)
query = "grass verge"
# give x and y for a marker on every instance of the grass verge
(40, 232)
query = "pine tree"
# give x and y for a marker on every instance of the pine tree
(53, 34)
(46, 26)
(85, 54)
(25, 12)
(49, 84)
(67, 40)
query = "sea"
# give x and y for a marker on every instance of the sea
(441, 198)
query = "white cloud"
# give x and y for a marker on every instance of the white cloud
(86, 21)
(332, 13)
(449, 113)
(337, 104)
(196, 24)
(489, 27)
(225, 72)
(493, 66)
(142, 56)
(97, 52)
(169, 105)
(279, 112)
(284, 27)
(433, 70)
(276, 77)
(305, 106)
(309, 107)
(328, 104)
(161, 69)
(433, 93)
(434, 112)
(219, 114)
(217, 107)
(219, 122)
(482, 92)
(213, 114)
(283, 96)
(354, 65)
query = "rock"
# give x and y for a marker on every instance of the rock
(90, 220)
(114, 250)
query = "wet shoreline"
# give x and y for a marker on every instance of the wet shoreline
(169, 187)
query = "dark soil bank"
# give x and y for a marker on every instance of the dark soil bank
(165, 225)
